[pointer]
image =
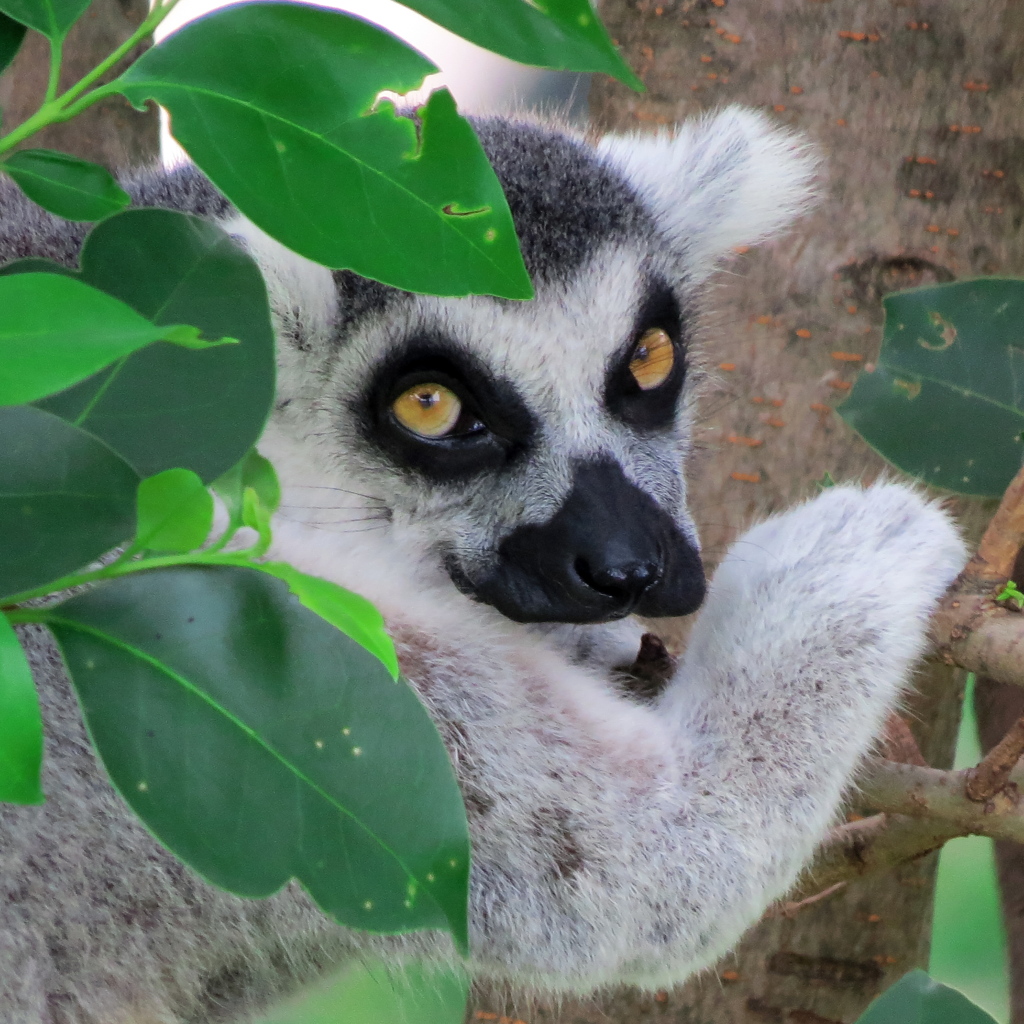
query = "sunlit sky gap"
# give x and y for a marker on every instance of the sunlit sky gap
(480, 81)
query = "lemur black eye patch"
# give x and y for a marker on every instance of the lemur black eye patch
(491, 428)
(646, 376)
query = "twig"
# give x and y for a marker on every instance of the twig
(1005, 534)
(923, 808)
(790, 908)
(942, 796)
(970, 628)
(879, 843)
(898, 743)
(993, 773)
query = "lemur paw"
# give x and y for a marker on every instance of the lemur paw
(885, 541)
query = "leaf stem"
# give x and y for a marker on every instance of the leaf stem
(120, 568)
(57, 109)
(56, 57)
(20, 616)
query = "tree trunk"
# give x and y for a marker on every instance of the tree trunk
(111, 133)
(916, 107)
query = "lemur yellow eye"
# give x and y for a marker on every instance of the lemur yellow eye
(653, 359)
(430, 410)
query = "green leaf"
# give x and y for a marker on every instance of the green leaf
(175, 512)
(258, 473)
(66, 186)
(257, 518)
(565, 34)
(946, 400)
(916, 999)
(259, 744)
(35, 264)
(164, 407)
(21, 727)
(372, 994)
(349, 612)
(65, 499)
(11, 35)
(318, 163)
(51, 17)
(254, 472)
(55, 331)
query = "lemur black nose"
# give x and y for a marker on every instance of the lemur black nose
(610, 550)
(625, 582)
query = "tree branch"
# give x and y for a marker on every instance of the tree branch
(970, 628)
(922, 809)
(942, 796)
(870, 846)
(993, 773)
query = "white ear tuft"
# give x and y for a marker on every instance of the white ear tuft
(728, 179)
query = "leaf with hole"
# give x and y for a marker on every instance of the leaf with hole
(945, 402)
(12, 33)
(259, 744)
(563, 34)
(165, 407)
(917, 999)
(322, 165)
(56, 331)
(65, 499)
(66, 186)
(175, 512)
(52, 18)
(21, 727)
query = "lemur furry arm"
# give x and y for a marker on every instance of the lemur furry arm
(618, 843)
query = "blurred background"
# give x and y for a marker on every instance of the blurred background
(968, 942)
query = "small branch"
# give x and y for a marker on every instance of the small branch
(923, 808)
(970, 628)
(790, 908)
(872, 845)
(942, 797)
(1005, 534)
(992, 775)
(898, 743)
(57, 109)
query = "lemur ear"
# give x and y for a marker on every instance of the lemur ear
(728, 179)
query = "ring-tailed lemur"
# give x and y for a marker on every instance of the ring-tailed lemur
(504, 480)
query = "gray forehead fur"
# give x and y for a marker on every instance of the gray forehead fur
(566, 203)
(184, 188)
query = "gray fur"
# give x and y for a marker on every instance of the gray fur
(614, 841)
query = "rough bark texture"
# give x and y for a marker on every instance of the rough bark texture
(112, 133)
(916, 106)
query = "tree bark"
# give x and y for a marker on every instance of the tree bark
(111, 133)
(915, 106)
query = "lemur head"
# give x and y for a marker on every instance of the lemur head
(534, 451)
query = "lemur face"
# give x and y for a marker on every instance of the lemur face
(533, 452)
(537, 448)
